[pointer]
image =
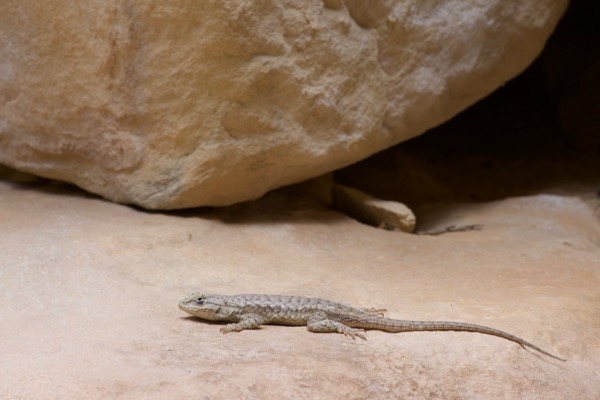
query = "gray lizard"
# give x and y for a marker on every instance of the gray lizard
(248, 311)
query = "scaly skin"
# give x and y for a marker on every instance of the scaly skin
(249, 311)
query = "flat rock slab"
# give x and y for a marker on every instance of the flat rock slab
(90, 290)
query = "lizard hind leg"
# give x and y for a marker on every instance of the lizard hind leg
(248, 321)
(324, 325)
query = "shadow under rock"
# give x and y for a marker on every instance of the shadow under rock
(295, 204)
(275, 207)
(28, 182)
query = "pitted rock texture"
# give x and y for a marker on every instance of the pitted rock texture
(180, 104)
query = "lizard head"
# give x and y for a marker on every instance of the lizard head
(203, 306)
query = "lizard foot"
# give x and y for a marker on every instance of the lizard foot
(229, 328)
(354, 333)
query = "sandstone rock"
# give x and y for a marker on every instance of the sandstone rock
(181, 104)
(88, 305)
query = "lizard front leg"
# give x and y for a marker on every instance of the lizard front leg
(247, 321)
(321, 324)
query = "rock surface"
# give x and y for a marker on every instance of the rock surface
(180, 104)
(89, 293)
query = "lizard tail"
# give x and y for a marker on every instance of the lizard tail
(408, 326)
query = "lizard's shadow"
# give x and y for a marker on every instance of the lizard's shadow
(203, 321)
(207, 322)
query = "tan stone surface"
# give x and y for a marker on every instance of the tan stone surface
(89, 294)
(170, 104)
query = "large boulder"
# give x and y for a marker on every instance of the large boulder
(171, 104)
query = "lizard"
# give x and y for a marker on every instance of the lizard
(250, 311)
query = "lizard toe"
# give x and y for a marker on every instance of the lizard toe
(354, 333)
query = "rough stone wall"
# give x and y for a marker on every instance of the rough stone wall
(186, 103)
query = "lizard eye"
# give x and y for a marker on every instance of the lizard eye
(200, 300)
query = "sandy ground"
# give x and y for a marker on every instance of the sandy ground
(89, 294)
